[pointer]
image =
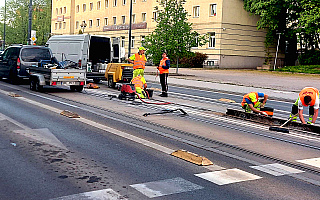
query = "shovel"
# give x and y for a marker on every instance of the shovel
(280, 128)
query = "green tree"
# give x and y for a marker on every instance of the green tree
(18, 20)
(173, 33)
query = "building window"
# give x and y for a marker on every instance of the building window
(64, 10)
(124, 2)
(90, 23)
(132, 41)
(57, 12)
(77, 24)
(212, 40)
(213, 9)
(64, 25)
(196, 11)
(195, 43)
(123, 19)
(98, 5)
(133, 1)
(155, 15)
(106, 21)
(115, 3)
(142, 38)
(60, 25)
(98, 22)
(77, 8)
(144, 17)
(114, 20)
(84, 7)
(134, 18)
(123, 40)
(91, 6)
(106, 3)
(144, 0)
(56, 26)
(60, 10)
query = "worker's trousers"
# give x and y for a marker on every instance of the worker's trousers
(295, 110)
(164, 82)
(140, 92)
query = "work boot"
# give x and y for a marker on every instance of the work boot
(163, 94)
(294, 119)
(247, 109)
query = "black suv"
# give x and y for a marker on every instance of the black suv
(15, 59)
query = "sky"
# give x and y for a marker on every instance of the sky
(1, 3)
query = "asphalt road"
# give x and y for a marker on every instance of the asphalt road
(113, 152)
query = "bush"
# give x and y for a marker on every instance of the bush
(194, 61)
(309, 69)
(311, 57)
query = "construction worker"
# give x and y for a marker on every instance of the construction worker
(251, 102)
(164, 72)
(140, 85)
(309, 96)
(139, 62)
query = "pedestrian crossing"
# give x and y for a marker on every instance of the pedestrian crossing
(217, 175)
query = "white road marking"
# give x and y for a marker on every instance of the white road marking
(228, 176)
(312, 161)
(166, 187)
(106, 194)
(277, 169)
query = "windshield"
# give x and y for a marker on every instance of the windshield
(35, 54)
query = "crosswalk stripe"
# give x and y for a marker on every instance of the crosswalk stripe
(166, 187)
(277, 169)
(106, 194)
(228, 176)
(312, 161)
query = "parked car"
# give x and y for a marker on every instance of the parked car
(15, 59)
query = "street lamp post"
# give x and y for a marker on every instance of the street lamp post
(83, 25)
(275, 61)
(4, 25)
(30, 23)
(130, 24)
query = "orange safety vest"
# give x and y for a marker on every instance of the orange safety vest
(163, 63)
(309, 91)
(249, 96)
(139, 63)
(137, 82)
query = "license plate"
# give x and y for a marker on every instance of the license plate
(70, 83)
(68, 77)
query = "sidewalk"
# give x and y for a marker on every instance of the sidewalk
(277, 85)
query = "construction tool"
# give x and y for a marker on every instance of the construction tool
(280, 128)
(166, 111)
(92, 86)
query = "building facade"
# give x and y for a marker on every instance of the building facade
(234, 41)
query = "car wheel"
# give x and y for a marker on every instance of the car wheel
(38, 88)
(79, 88)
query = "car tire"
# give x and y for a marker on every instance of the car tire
(111, 84)
(32, 85)
(38, 88)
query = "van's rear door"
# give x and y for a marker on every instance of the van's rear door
(100, 49)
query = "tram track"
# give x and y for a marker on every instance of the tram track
(181, 138)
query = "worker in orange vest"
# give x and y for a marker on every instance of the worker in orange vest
(139, 62)
(309, 96)
(251, 102)
(140, 84)
(164, 72)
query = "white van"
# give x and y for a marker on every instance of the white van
(91, 52)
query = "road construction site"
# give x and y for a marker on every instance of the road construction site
(196, 119)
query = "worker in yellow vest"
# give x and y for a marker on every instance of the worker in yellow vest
(251, 102)
(140, 85)
(139, 62)
(309, 96)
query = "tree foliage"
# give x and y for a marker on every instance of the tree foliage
(17, 15)
(173, 33)
(289, 17)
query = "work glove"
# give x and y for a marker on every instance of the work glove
(262, 105)
(310, 123)
(264, 113)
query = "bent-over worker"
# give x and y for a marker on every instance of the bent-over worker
(309, 96)
(139, 62)
(251, 102)
(140, 85)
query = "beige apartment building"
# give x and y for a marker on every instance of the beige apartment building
(234, 41)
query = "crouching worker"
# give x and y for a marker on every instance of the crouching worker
(308, 96)
(140, 85)
(251, 102)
